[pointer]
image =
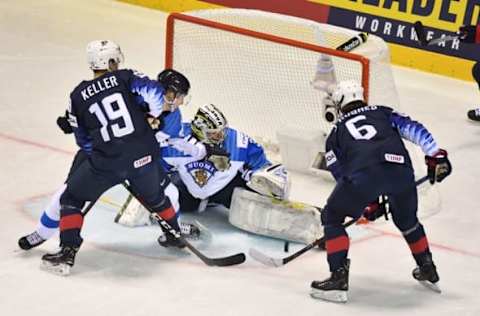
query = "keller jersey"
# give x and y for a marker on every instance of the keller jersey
(373, 135)
(201, 177)
(108, 117)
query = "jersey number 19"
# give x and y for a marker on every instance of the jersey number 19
(113, 114)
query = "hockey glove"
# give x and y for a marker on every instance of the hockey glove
(467, 33)
(63, 124)
(218, 156)
(438, 166)
(377, 209)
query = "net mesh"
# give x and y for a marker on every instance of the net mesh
(263, 85)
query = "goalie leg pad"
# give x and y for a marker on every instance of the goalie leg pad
(287, 220)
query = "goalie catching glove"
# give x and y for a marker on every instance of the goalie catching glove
(438, 166)
(272, 181)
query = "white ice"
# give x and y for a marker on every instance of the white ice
(42, 58)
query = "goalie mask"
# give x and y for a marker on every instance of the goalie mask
(101, 53)
(346, 92)
(209, 125)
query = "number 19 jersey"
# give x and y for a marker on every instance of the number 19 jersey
(108, 117)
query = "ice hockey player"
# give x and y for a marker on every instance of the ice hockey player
(219, 159)
(108, 121)
(471, 34)
(367, 157)
(167, 125)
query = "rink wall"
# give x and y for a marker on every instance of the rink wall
(390, 19)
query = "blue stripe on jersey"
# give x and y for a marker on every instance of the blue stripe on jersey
(151, 91)
(84, 141)
(172, 124)
(414, 132)
(48, 222)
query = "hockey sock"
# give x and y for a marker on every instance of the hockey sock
(71, 221)
(337, 244)
(418, 243)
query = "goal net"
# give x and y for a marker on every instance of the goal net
(258, 67)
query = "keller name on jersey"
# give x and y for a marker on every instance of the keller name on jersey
(200, 171)
(98, 86)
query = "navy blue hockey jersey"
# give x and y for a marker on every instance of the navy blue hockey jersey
(372, 135)
(108, 117)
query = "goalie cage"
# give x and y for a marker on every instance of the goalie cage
(258, 67)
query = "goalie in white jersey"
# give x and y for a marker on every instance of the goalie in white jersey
(210, 161)
(231, 159)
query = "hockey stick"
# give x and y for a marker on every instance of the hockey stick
(219, 262)
(422, 36)
(278, 262)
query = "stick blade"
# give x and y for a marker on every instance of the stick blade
(229, 261)
(264, 259)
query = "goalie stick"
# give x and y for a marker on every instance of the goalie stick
(422, 36)
(219, 262)
(278, 262)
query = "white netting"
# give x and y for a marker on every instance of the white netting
(262, 85)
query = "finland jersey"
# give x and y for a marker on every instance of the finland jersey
(372, 135)
(109, 120)
(201, 177)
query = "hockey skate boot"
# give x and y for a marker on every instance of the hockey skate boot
(474, 115)
(61, 261)
(427, 275)
(30, 241)
(335, 288)
(168, 240)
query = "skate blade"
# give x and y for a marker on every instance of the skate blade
(431, 286)
(58, 269)
(330, 296)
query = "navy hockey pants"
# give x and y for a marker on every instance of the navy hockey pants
(87, 183)
(353, 193)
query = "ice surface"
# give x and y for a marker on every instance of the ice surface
(121, 271)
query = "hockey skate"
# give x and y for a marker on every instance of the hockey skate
(335, 288)
(168, 240)
(427, 275)
(474, 115)
(30, 241)
(61, 261)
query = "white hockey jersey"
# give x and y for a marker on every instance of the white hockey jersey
(201, 177)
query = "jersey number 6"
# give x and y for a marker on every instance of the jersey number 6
(113, 114)
(365, 132)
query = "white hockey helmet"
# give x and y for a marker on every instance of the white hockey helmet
(209, 124)
(100, 52)
(346, 92)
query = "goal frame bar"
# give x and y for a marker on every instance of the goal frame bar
(169, 43)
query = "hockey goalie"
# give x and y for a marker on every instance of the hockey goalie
(214, 164)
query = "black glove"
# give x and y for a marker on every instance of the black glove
(438, 166)
(466, 33)
(63, 124)
(218, 156)
(377, 209)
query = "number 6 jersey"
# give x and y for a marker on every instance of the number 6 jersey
(372, 135)
(108, 118)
